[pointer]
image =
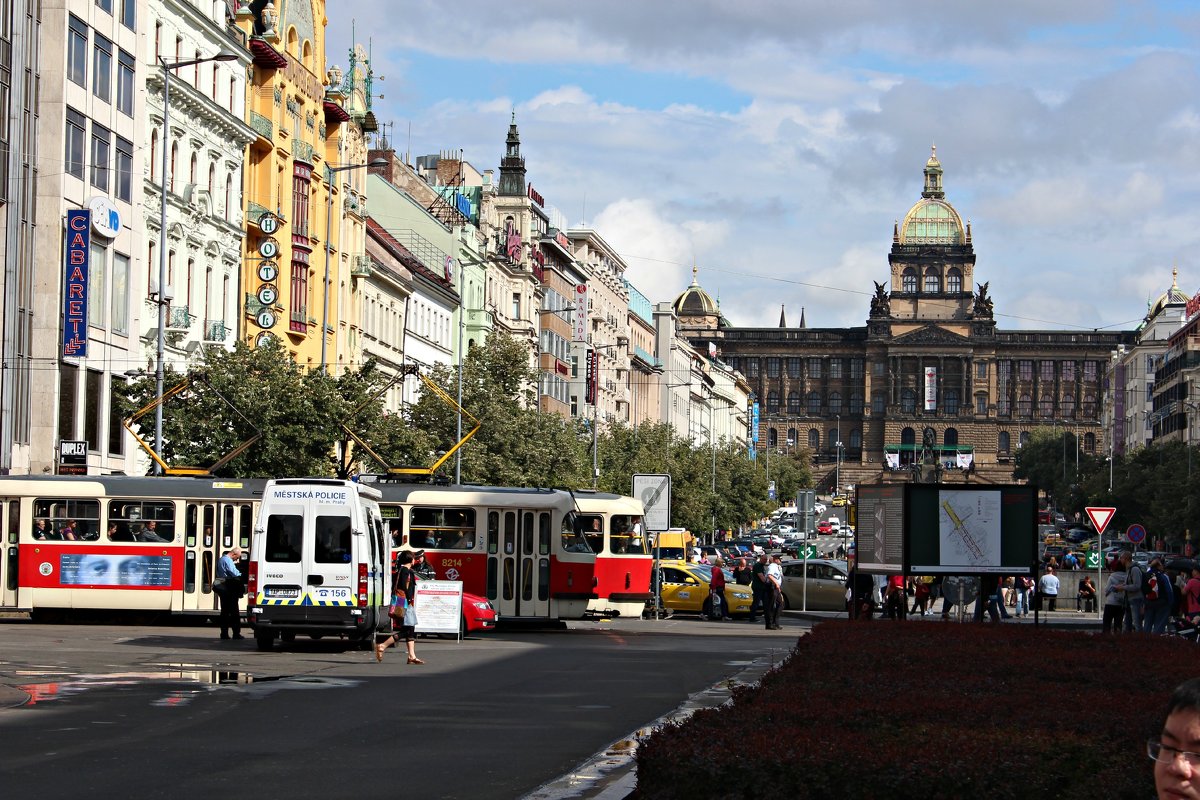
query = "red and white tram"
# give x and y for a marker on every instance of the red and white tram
(519, 548)
(615, 531)
(119, 542)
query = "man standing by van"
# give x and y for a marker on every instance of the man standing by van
(228, 587)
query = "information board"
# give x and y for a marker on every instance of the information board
(879, 535)
(969, 530)
(439, 606)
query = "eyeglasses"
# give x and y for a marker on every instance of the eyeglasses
(1166, 754)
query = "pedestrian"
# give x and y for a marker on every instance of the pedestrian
(1114, 602)
(894, 604)
(1158, 602)
(1049, 588)
(995, 606)
(229, 588)
(1136, 601)
(920, 596)
(719, 608)
(1085, 597)
(743, 574)
(773, 599)
(404, 589)
(1022, 586)
(1176, 749)
(759, 587)
(1191, 595)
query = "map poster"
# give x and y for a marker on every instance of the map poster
(960, 529)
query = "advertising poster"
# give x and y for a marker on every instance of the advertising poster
(94, 569)
(969, 530)
(439, 606)
(880, 529)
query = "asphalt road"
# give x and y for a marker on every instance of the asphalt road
(173, 712)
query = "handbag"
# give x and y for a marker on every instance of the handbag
(410, 616)
(398, 608)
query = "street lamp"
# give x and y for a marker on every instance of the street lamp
(375, 162)
(837, 458)
(162, 299)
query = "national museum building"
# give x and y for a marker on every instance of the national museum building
(929, 379)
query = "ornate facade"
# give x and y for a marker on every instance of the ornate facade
(928, 373)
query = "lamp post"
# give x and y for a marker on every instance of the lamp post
(837, 458)
(162, 300)
(376, 162)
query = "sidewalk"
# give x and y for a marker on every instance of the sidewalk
(1065, 620)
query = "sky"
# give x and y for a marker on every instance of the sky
(772, 144)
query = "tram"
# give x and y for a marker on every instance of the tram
(519, 548)
(615, 531)
(119, 543)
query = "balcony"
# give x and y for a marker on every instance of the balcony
(303, 151)
(360, 267)
(215, 330)
(262, 126)
(178, 318)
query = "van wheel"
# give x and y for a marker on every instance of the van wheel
(265, 641)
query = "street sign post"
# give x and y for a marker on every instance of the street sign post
(1100, 517)
(1136, 533)
(809, 551)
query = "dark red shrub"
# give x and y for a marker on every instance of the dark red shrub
(931, 710)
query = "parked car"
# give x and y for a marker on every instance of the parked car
(685, 587)
(826, 584)
(477, 614)
(819, 508)
(1077, 535)
(824, 528)
(835, 524)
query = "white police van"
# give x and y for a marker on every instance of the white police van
(318, 562)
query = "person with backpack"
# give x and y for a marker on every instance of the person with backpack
(1159, 598)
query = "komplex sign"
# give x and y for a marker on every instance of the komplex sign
(75, 284)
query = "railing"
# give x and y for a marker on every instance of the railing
(426, 252)
(254, 212)
(361, 265)
(303, 152)
(178, 318)
(262, 125)
(215, 330)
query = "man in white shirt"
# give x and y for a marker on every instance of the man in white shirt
(1048, 586)
(773, 599)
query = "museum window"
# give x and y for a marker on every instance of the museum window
(908, 401)
(835, 403)
(1002, 442)
(772, 438)
(1047, 371)
(1002, 408)
(1068, 405)
(1089, 442)
(856, 369)
(831, 438)
(791, 437)
(1046, 406)
(1024, 440)
(1089, 371)
(773, 401)
(878, 403)
(814, 438)
(794, 405)
(1025, 370)
(950, 437)
(814, 402)
(1025, 406)
(856, 402)
(981, 405)
(908, 281)
(752, 365)
(981, 370)
(950, 402)
(1068, 371)
(954, 280)
(878, 368)
(814, 368)
(856, 439)
(933, 283)
(794, 365)
(1089, 406)
(773, 367)
(835, 368)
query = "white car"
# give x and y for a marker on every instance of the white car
(836, 524)
(819, 508)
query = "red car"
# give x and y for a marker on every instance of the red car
(477, 614)
(823, 527)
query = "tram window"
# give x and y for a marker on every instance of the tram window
(508, 578)
(442, 528)
(141, 521)
(491, 579)
(245, 525)
(14, 521)
(69, 520)
(284, 534)
(510, 533)
(573, 540)
(210, 521)
(493, 539)
(543, 534)
(527, 533)
(206, 575)
(191, 523)
(227, 527)
(543, 579)
(393, 520)
(189, 572)
(627, 535)
(591, 526)
(332, 540)
(527, 579)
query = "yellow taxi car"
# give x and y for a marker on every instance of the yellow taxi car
(840, 500)
(685, 588)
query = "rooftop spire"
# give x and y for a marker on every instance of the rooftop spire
(782, 317)
(802, 323)
(933, 177)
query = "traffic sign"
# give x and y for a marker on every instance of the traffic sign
(1100, 517)
(808, 551)
(1093, 559)
(1136, 533)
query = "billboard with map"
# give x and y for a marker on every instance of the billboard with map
(970, 530)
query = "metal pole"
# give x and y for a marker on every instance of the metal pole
(162, 269)
(461, 327)
(596, 430)
(328, 248)
(837, 459)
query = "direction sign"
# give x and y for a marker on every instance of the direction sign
(1136, 533)
(1093, 559)
(1100, 517)
(808, 551)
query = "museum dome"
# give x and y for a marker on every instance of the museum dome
(1171, 297)
(932, 220)
(695, 301)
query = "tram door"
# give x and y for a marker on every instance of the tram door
(210, 530)
(10, 524)
(518, 572)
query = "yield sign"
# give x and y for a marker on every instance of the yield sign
(1100, 517)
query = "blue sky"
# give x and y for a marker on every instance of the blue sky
(774, 142)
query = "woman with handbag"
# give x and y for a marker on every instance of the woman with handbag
(403, 610)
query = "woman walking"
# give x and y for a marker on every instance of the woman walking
(404, 591)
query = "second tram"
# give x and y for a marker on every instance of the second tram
(615, 531)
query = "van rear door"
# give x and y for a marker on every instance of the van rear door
(329, 563)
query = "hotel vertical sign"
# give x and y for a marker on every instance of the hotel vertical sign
(75, 284)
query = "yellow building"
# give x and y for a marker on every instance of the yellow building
(293, 272)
